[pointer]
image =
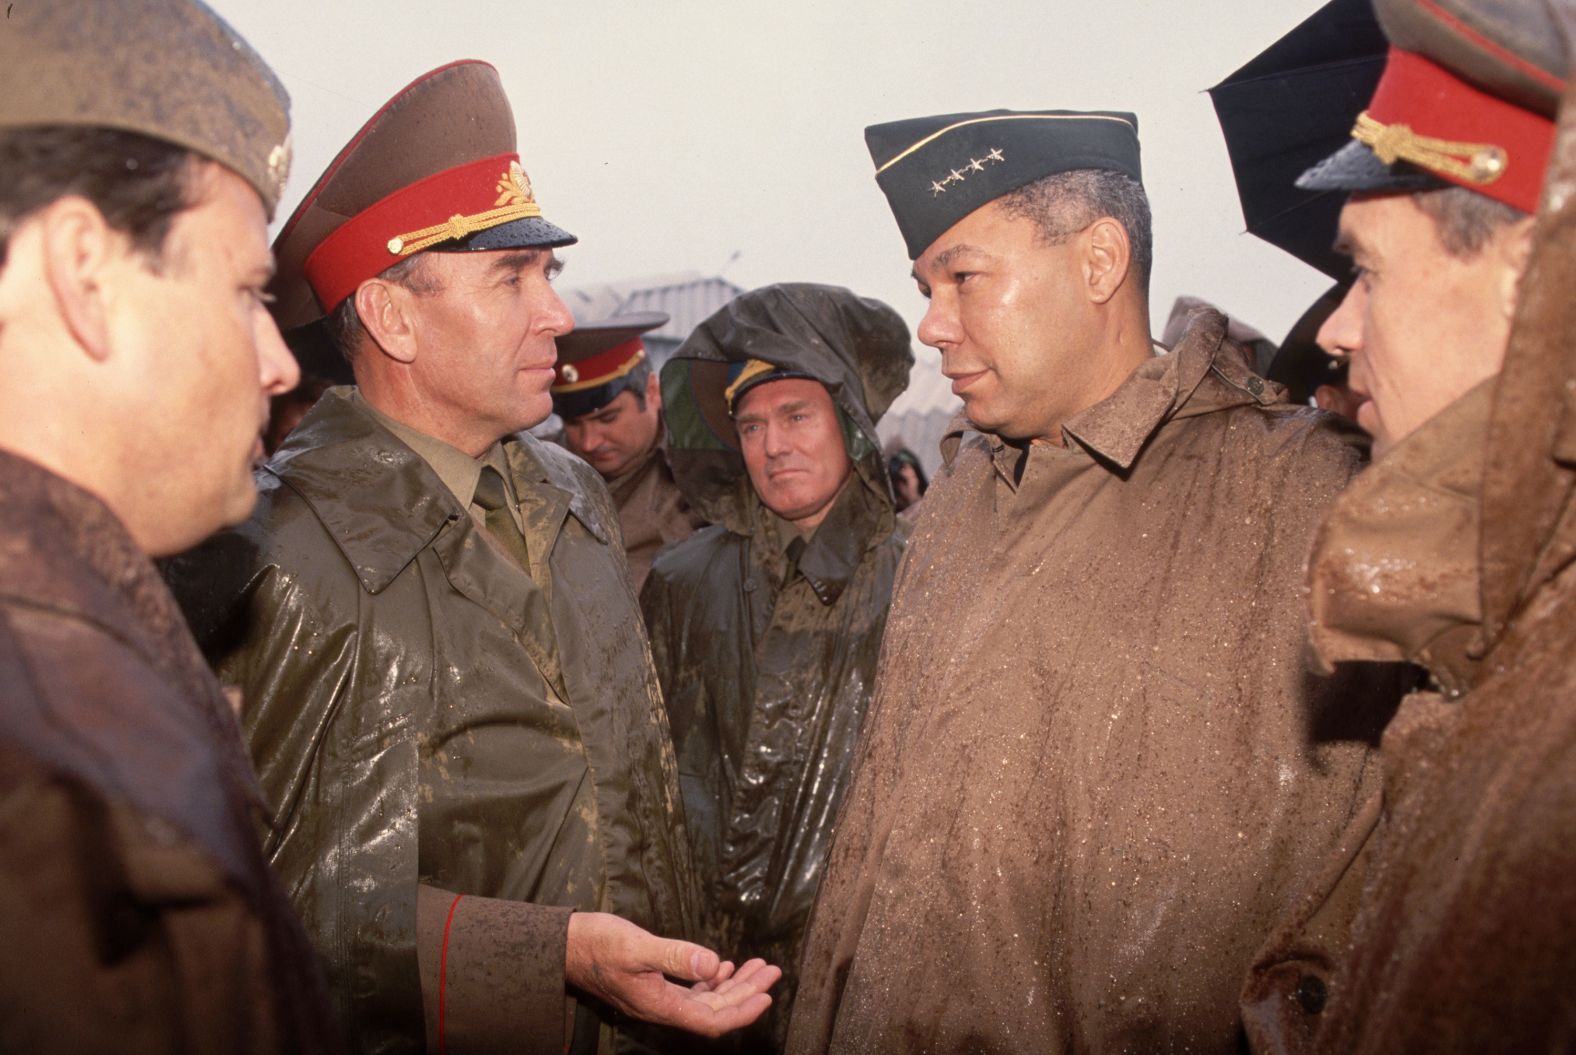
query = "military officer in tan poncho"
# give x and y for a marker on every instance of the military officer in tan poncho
(1096, 768)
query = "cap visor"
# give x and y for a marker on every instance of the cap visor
(1354, 167)
(531, 233)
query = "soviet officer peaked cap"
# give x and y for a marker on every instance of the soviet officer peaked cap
(171, 70)
(436, 169)
(934, 171)
(595, 360)
(1468, 97)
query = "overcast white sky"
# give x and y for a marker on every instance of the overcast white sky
(670, 136)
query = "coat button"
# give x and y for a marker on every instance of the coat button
(1256, 385)
(1311, 994)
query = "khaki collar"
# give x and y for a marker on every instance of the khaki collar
(1394, 573)
(1203, 374)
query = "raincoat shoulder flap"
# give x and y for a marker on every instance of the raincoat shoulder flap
(376, 498)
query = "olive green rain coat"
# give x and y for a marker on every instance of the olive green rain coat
(1457, 551)
(423, 714)
(1096, 770)
(767, 666)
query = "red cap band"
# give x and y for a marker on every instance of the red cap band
(599, 369)
(1424, 114)
(444, 206)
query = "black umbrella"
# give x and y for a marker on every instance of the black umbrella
(1289, 108)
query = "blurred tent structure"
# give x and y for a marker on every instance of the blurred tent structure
(918, 418)
(687, 297)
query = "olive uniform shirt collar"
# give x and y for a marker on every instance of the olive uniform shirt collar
(458, 471)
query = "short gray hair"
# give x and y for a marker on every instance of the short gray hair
(1465, 219)
(344, 323)
(1067, 202)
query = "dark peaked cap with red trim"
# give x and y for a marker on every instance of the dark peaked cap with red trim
(1468, 97)
(435, 169)
(595, 360)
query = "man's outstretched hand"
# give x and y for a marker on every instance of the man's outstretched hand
(627, 967)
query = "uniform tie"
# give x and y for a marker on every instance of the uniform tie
(493, 497)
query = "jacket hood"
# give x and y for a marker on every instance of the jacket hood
(857, 347)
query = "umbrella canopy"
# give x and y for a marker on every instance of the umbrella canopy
(1290, 107)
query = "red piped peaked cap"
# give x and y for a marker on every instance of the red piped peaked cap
(1468, 97)
(436, 169)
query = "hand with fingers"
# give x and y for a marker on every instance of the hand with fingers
(629, 968)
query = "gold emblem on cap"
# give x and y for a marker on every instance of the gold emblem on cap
(995, 157)
(514, 187)
(1472, 162)
(571, 375)
(515, 202)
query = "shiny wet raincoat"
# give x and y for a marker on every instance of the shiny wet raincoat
(1097, 769)
(424, 714)
(1458, 551)
(767, 664)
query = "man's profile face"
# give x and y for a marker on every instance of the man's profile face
(197, 318)
(793, 448)
(616, 437)
(485, 338)
(1007, 314)
(1420, 326)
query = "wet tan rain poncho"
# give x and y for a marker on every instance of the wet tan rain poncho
(1096, 768)
(1458, 551)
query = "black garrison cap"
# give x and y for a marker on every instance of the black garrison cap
(936, 170)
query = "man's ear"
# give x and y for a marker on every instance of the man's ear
(385, 314)
(1515, 250)
(81, 252)
(1107, 256)
(654, 391)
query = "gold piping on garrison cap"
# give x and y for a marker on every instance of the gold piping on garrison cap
(752, 369)
(1480, 163)
(933, 136)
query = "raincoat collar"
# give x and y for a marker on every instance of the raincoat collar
(1115, 430)
(383, 504)
(1394, 572)
(833, 552)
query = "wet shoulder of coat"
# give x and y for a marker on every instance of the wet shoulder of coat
(575, 475)
(678, 573)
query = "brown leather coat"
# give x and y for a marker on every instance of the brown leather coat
(1458, 551)
(137, 913)
(1096, 769)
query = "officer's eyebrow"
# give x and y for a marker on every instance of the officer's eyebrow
(1347, 243)
(515, 261)
(945, 258)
